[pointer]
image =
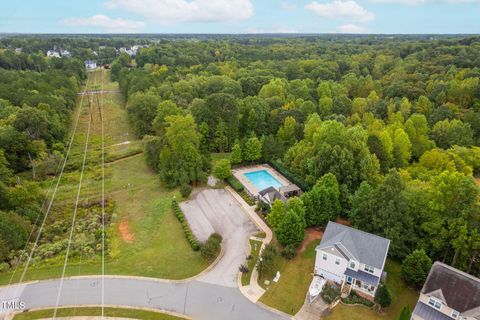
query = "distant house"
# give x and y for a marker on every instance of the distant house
(53, 54)
(270, 194)
(448, 294)
(351, 258)
(65, 53)
(90, 64)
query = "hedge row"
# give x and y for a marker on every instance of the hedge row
(289, 175)
(236, 185)
(186, 228)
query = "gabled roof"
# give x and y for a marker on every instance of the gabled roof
(362, 246)
(272, 194)
(460, 290)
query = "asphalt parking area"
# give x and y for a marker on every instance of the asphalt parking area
(215, 210)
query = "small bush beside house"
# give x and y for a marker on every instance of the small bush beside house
(415, 268)
(331, 292)
(382, 296)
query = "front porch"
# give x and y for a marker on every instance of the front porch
(364, 284)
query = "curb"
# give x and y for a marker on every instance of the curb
(108, 306)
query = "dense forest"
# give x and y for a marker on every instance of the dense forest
(383, 131)
(380, 130)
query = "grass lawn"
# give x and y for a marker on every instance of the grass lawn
(108, 312)
(289, 293)
(145, 238)
(255, 246)
(401, 296)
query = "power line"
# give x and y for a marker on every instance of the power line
(103, 197)
(74, 214)
(54, 192)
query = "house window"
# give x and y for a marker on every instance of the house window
(337, 261)
(325, 256)
(435, 303)
(369, 268)
(455, 314)
(352, 265)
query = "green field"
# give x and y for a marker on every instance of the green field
(108, 312)
(288, 294)
(144, 237)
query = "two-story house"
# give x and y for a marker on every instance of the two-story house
(448, 294)
(352, 258)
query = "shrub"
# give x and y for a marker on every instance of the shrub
(236, 185)
(354, 298)
(267, 262)
(330, 292)
(406, 313)
(211, 247)
(415, 268)
(186, 228)
(383, 297)
(222, 169)
(289, 252)
(243, 268)
(289, 175)
(185, 190)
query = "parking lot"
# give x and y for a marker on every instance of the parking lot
(213, 210)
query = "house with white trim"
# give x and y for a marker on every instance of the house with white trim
(352, 258)
(447, 294)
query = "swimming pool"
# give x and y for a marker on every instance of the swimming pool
(262, 179)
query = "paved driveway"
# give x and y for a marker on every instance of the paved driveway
(212, 210)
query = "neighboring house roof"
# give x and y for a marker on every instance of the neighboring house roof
(363, 276)
(272, 194)
(428, 313)
(364, 247)
(461, 291)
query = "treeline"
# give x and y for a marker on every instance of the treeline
(35, 113)
(393, 125)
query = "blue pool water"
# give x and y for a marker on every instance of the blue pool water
(262, 179)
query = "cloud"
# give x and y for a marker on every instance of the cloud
(351, 28)
(106, 23)
(287, 6)
(419, 2)
(173, 11)
(348, 9)
(274, 29)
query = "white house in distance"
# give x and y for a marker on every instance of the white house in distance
(90, 64)
(448, 294)
(352, 258)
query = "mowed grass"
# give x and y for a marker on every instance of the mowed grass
(401, 296)
(108, 312)
(289, 293)
(159, 248)
(255, 246)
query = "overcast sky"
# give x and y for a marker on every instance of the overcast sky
(240, 16)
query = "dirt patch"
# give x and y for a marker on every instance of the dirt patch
(125, 233)
(343, 221)
(312, 235)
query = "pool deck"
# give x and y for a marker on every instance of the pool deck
(239, 173)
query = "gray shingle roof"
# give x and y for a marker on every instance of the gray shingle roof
(460, 290)
(365, 247)
(363, 276)
(429, 313)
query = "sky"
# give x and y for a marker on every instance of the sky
(241, 16)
